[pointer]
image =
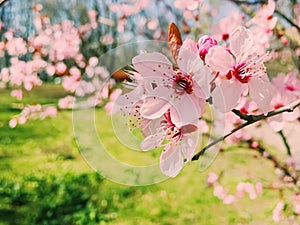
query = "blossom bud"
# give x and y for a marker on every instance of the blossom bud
(204, 44)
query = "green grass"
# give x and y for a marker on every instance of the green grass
(45, 180)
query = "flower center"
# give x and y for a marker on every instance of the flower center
(290, 87)
(240, 72)
(172, 132)
(183, 83)
(225, 37)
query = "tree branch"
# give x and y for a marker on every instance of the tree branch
(250, 120)
(239, 2)
(286, 144)
(278, 165)
(288, 20)
(282, 15)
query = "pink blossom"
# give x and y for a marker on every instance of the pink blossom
(227, 25)
(187, 4)
(49, 111)
(17, 93)
(189, 7)
(180, 145)
(66, 102)
(188, 14)
(245, 187)
(107, 39)
(204, 44)
(153, 24)
(226, 123)
(287, 83)
(239, 68)
(284, 40)
(297, 208)
(13, 123)
(71, 83)
(264, 17)
(263, 23)
(229, 199)
(277, 122)
(179, 89)
(212, 178)
(220, 192)
(61, 68)
(112, 98)
(50, 69)
(16, 46)
(129, 7)
(288, 90)
(240, 189)
(277, 212)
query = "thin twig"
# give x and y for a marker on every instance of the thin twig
(276, 11)
(250, 120)
(288, 20)
(286, 144)
(240, 114)
(249, 2)
(278, 165)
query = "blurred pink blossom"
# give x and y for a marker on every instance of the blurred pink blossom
(66, 102)
(277, 213)
(288, 90)
(129, 7)
(220, 192)
(229, 199)
(49, 111)
(227, 25)
(13, 123)
(212, 178)
(16, 46)
(187, 4)
(153, 24)
(112, 98)
(17, 93)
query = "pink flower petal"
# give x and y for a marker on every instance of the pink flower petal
(153, 64)
(188, 59)
(229, 199)
(171, 160)
(202, 78)
(262, 92)
(125, 102)
(186, 110)
(150, 127)
(153, 141)
(189, 128)
(276, 122)
(219, 59)
(188, 146)
(241, 41)
(225, 96)
(291, 116)
(154, 107)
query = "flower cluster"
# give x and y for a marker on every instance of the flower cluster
(252, 190)
(169, 99)
(53, 53)
(33, 112)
